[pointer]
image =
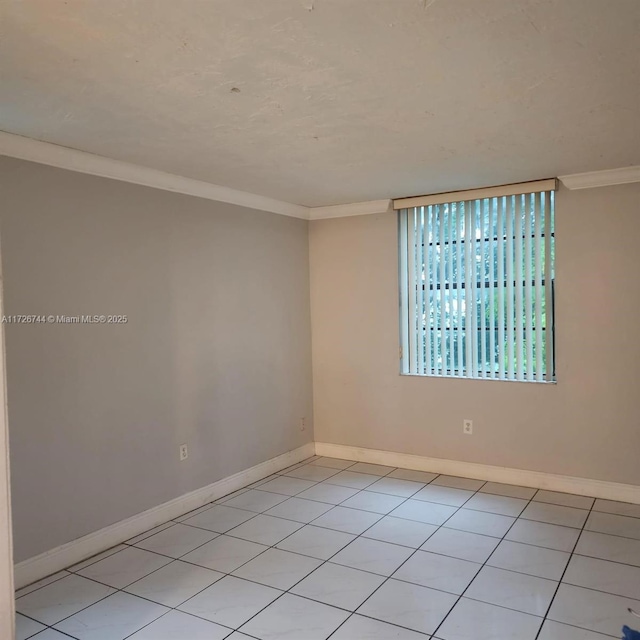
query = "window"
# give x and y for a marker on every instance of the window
(477, 283)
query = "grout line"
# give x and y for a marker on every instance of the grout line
(555, 593)
(478, 572)
(387, 578)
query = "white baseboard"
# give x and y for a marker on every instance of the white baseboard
(45, 564)
(535, 479)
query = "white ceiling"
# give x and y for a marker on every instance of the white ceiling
(321, 102)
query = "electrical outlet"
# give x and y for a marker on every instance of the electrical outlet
(303, 424)
(184, 452)
(467, 427)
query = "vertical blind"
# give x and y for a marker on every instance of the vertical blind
(477, 287)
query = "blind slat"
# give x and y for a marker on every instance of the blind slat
(501, 311)
(548, 289)
(511, 336)
(427, 284)
(442, 315)
(540, 209)
(459, 293)
(468, 292)
(434, 291)
(480, 214)
(413, 325)
(528, 277)
(518, 307)
(450, 336)
(404, 292)
(420, 288)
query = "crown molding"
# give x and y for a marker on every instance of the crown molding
(353, 209)
(606, 178)
(83, 162)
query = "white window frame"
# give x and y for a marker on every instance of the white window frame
(505, 305)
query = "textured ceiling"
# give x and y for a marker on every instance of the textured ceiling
(322, 102)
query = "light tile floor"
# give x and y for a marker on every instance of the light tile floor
(351, 551)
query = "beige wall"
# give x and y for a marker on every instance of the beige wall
(216, 352)
(587, 425)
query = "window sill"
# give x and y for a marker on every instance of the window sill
(441, 377)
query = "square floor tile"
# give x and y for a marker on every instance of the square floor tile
(233, 494)
(125, 567)
(438, 572)
(150, 532)
(224, 554)
(602, 575)
(265, 529)
(415, 476)
(488, 524)
(427, 512)
(299, 510)
(294, 618)
(34, 586)
(333, 463)
(338, 586)
(619, 508)
(61, 599)
(256, 501)
(525, 558)
(443, 495)
(316, 542)
(408, 533)
(376, 502)
(25, 627)
(329, 493)
(373, 469)
(517, 591)
(361, 628)
(312, 472)
(625, 526)
(509, 490)
(193, 512)
(396, 487)
(372, 555)
(502, 505)
(461, 544)
(347, 520)
(558, 631)
(593, 610)
(409, 605)
(51, 634)
(292, 467)
(564, 499)
(555, 514)
(352, 480)
(471, 620)
(174, 583)
(219, 518)
(258, 483)
(286, 485)
(606, 547)
(542, 534)
(176, 541)
(230, 601)
(279, 569)
(97, 558)
(176, 625)
(113, 618)
(458, 483)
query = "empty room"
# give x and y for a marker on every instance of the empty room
(320, 319)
